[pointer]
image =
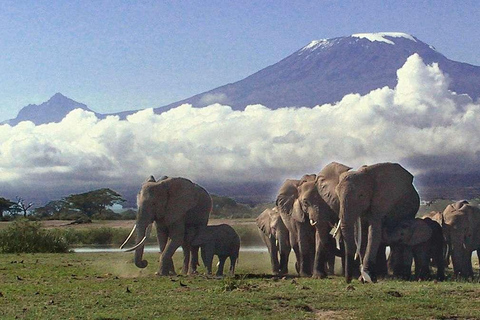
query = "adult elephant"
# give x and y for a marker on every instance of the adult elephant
(301, 233)
(180, 210)
(319, 206)
(276, 237)
(376, 197)
(461, 226)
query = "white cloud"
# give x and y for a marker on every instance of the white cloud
(419, 123)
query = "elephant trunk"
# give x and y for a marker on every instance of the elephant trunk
(347, 226)
(142, 234)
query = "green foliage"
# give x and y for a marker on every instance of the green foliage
(94, 202)
(5, 205)
(224, 207)
(26, 236)
(103, 236)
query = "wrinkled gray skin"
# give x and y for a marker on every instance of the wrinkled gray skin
(220, 240)
(302, 234)
(318, 205)
(381, 195)
(424, 238)
(461, 226)
(175, 205)
(276, 237)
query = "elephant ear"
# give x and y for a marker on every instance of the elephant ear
(391, 182)
(326, 182)
(287, 195)
(263, 221)
(421, 232)
(181, 196)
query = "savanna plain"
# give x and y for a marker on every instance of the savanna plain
(110, 286)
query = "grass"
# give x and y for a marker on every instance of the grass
(109, 286)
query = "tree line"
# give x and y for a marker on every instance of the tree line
(97, 205)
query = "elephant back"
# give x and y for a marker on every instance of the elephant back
(326, 182)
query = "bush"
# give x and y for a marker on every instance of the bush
(29, 237)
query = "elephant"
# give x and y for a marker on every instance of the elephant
(318, 205)
(424, 238)
(178, 207)
(372, 198)
(276, 237)
(221, 240)
(301, 233)
(461, 226)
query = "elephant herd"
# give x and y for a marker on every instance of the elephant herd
(352, 214)
(366, 211)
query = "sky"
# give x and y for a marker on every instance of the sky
(116, 56)
(128, 55)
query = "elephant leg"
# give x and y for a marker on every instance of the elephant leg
(233, 261)
(273, 251)
(462, 260)
(370, 259)
(221, 264)
(208, 258)
(186, 258)
(321, 252)
(162, 238)
(422, 268)
(194, 262)
(176, 234)
(382, 269)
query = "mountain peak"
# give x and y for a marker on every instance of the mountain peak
(383, 36)
(53, 110)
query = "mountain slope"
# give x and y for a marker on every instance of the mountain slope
(325, 71)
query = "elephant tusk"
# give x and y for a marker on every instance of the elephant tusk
(337, 229)
(137, 245)
(129, 236)
(313, 222)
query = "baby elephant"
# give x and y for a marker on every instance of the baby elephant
(221, 240)
(424, 237)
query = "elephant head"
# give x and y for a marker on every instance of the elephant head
(175, 205)
(461, 225)
(380, 195)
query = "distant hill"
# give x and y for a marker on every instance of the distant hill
(54, 110)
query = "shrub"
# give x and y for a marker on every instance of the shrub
(29, 237)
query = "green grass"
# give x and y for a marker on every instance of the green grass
(109, 286)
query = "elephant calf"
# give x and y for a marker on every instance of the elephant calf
(221, 240)
(424, 239)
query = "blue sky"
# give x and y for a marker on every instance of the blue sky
(125, 55)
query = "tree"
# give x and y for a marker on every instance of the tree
(22, 206)
(94, 202)
(5, 205)
(50, 209)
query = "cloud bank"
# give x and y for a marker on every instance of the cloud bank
(419, 123)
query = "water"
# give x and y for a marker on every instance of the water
(152, 249)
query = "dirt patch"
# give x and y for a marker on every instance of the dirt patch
(331, 315)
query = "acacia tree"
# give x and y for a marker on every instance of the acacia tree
(94, 201)
(5, 205)
(23, 206)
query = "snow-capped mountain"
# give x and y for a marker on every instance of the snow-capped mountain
(324, 71)
(54, 110)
